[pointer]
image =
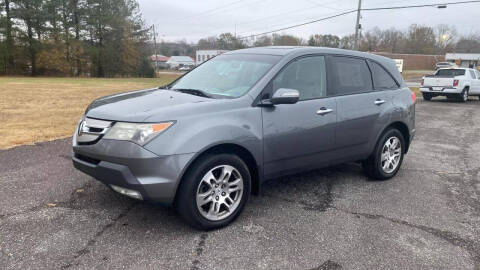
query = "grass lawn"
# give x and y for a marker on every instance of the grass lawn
(42, 109)
(416, 74)
(416, 90)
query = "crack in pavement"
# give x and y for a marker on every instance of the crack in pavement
(328, 265)
(65, 204)
(326, 202)
(93, 240)
(471, 246)
(198, 251)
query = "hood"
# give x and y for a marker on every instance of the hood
(139, 105)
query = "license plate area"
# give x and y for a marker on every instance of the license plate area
(437, 88)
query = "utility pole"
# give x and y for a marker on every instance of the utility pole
(155, 49)
(357, 25)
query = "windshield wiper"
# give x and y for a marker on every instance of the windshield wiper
(195, 92)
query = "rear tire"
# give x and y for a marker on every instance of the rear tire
(206, 197)
(387, 157)
(463, 97)
(427, 96)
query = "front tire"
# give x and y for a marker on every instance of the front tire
(387, 157)
(214, 191)
(427, 96)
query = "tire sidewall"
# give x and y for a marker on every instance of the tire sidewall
(462, 95)
(378, 152)
(194, 177)
(427, 96)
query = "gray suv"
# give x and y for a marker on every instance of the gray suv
(208, 140)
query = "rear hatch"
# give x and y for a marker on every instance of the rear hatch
(443, 78)
(438, 82)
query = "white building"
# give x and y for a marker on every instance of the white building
(175, 62)
(204, 55)
(471, 60)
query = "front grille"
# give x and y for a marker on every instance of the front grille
(87, 159)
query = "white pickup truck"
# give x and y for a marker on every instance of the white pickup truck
(452, 83)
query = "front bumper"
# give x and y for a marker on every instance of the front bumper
(128, 165)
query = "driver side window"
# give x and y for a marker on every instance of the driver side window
(307, 75)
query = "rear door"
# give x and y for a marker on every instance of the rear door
(477, 74)
(475, 82)
(361, 109)
(299, 136)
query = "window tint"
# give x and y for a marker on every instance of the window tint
(478, 74)
(381, 78)
(307, 75)
(472, 74)
(350, 76)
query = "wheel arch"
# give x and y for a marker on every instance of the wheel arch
(403, 128)
(228, 148)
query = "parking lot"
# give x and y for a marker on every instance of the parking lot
(427, 217)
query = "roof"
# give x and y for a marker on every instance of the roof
(212, 51)
(300, 50)
(285, 50)
(462, 56)
(180, 59)
(160, 58)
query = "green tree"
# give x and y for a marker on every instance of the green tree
(227, 41)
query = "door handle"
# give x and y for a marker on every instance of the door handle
(379, 102)
(324, 111)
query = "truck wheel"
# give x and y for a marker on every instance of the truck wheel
(387, 157)
(427, 96)
(214, 191)
(464, 95)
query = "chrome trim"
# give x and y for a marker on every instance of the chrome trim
(85, 134)
(324, 111)
(379, 102)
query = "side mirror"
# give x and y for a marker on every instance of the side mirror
(285, 96)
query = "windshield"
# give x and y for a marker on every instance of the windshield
(450, 72)
(227, 75)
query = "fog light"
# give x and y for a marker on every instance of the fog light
(128, 192)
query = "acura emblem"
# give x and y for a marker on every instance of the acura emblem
(80, 128)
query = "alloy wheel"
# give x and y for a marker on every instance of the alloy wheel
(391, 154)
(219, 193)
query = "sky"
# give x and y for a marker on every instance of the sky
(191, 20)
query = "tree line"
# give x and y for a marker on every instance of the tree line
(100, 38)
(417, 39)
(108, 38)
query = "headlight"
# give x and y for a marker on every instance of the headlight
(137, 133)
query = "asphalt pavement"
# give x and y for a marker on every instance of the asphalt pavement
(427, 217)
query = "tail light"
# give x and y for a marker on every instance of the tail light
(423, 80)
(455, 83)
(414, 98)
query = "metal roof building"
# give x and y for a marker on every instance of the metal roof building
(470, 60)
(180, 61)
(462, 56)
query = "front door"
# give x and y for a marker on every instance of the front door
(299, 136)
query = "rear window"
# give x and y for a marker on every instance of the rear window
(472, 74)
(450, 72)
(381, 78)
(350, 76)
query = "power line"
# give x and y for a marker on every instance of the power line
(355, 10)
(419, 6)
(213, 9)
(300, 24)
